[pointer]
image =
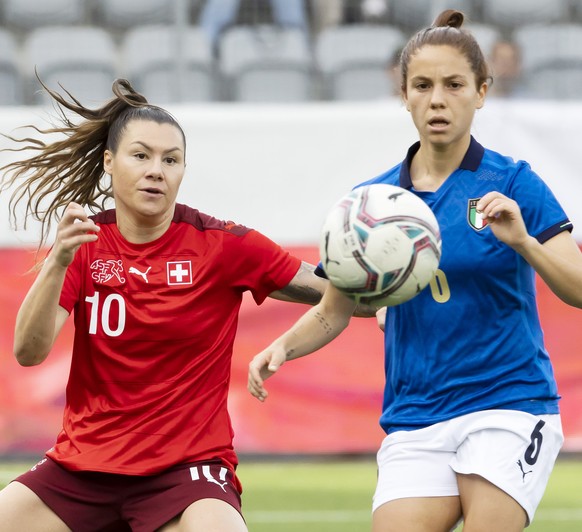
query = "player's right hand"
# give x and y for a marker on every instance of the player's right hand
(75, 229)
(261, 367)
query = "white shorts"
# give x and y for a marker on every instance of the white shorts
(513, 450)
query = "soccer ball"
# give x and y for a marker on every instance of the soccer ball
(380, 244)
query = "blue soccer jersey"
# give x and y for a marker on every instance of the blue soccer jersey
(472, 339)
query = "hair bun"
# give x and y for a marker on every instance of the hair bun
(451, 18)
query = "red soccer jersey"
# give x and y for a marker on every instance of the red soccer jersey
(154, 330)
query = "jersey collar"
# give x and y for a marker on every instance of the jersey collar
(470, 162)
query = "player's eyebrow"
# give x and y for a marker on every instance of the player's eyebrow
(446, 78)
(149, 148)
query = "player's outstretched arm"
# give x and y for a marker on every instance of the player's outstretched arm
(316, 328)
(40, 318)
(305, 287)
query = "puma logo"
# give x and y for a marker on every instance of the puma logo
(143, 275)
(195, 475)
(209, 478)
(523, 473)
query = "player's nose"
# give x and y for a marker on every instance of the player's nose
(155, 169)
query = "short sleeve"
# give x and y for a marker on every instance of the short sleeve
(542, 213)
(258, 264)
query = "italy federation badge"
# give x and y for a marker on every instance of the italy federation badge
(474, 217)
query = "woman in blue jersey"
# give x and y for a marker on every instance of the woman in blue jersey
(470, 404)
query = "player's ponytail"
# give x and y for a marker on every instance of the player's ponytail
(71, 168)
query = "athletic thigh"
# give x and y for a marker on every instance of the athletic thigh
(513, 451)
(487, 506)
(21, 509)
(418, 514)
(414, 464)
(210, 515)
(417, 488)
(84, 500)
(178, 497)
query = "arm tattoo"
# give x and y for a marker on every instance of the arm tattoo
(302, 294)
(302, 289)
(323, 322)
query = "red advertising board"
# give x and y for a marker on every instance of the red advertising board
(328, 402)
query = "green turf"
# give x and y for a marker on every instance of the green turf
(336, 496)
(325, 496)
(308, 496)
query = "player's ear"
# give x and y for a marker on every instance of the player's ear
(481, 95)
(107, 161)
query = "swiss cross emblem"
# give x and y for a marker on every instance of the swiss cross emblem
(179, 272)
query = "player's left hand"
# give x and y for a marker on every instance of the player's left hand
(504, 218)
(261, 367)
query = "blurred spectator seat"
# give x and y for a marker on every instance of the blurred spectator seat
(416, 14)
(124, 14)
(10, 82)
(30, 14)
(510, 15)
(355, 59)
(266, 64)
(577, 10)
(80, 58)
(551, 60)
(217, 16)
(150, 55)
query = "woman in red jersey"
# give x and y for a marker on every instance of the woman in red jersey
(155, 288)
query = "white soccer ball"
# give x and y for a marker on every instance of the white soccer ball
(380, 244)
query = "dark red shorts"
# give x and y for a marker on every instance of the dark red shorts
(89, 501)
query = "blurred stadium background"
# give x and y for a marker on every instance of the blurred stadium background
(307, 50)
(281, 120)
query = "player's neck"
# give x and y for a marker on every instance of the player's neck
(141, 230)
(432, 165)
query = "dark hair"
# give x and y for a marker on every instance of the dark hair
(71, 169)
(446, 30)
